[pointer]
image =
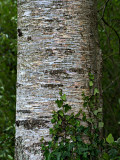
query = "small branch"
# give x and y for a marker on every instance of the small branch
(111, 83)
(105, 6)
(113, 30)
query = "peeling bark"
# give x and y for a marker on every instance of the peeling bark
(57, 48)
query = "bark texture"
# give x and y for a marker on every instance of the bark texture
(57, 48)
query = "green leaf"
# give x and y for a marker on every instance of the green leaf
(59, 103)
(53, 120)
(77, 123)
(105, 156)
(60, 112)
(55, 116)
(101, 124)
(63, 97)
(91, 83)
(10, 157)
(78, 114)
(56, 126)
(67, 107)
(96, 91)
(60, 93)
(89, 120)
(1, 96)
(118, 140)
(85, 104)
(58, 155)
(67, 117)
(51, 130)
(91, 76)
(110, 139)
(73, 138)
(99, 109)
(95, 112)
(84, 116)
(59, 122)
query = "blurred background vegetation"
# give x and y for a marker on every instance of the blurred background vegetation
(109, 35)
(8, 36)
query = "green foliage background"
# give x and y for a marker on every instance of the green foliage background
(8, 27)
(109, 31)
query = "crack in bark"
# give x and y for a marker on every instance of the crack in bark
(24, 111)
(20, 34)
(32, 123)
(56, 72)
(78, 70)
(18, 85)
(19, 150)
(49, 85)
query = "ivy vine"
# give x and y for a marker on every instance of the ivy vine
(74, 140)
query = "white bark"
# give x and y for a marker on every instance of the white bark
(57, 48)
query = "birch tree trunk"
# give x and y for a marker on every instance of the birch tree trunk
(57, 48)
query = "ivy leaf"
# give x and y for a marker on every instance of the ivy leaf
(56, 126)
(91, 76)
(60, 93)
(77, 123)
(101, 124)
(67, 107)
(60, 112)
(110, 139)
(59, 103)
(53, 120)
(96, 91)
(55, 116)
(60, 122)
(95, 112)
(58, 154)
(89, 120)
(51, 130)
(78, 114)
(67, 117)
(63, 97)
(73, 138)
(91, 83)
(99, 109)
(84, 116)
